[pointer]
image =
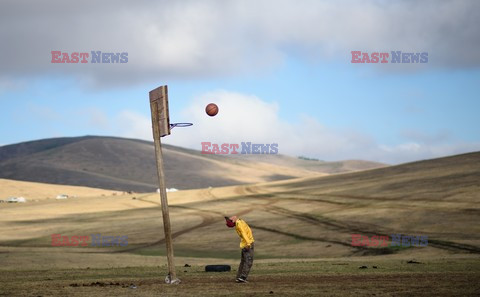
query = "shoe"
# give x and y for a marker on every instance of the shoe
(241, 280)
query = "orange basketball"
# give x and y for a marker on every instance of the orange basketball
(211, 109)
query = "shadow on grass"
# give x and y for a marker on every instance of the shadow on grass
(185, 252)
(378, 251)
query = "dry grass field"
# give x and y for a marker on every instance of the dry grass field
(40, 191)
(336, 277)
(302, 229)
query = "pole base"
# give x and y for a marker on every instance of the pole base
(175, 281)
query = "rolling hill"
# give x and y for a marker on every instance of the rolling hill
(129, 165)
(303, 218)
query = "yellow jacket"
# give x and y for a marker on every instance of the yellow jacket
(244, 232)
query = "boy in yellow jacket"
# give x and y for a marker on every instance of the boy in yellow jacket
(246, 245)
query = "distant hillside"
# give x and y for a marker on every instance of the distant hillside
(129, 165)
(311, 165)
(427, 180)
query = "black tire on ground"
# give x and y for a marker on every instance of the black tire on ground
(217, 268)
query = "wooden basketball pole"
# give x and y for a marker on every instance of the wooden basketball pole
(161, 127)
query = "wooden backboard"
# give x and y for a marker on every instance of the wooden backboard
(159, 109)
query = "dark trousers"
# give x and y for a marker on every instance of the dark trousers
(246, 262)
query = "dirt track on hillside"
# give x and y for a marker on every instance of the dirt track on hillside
(271, 198)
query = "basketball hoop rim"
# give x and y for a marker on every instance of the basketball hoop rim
(173, 125)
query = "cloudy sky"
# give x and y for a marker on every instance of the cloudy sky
(280, 71)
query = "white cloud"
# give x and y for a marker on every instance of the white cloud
(421, 137)
(94, 118)
(132, 125)
(415, 151)
(248, 118)
(9, 85)
(198, 39)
